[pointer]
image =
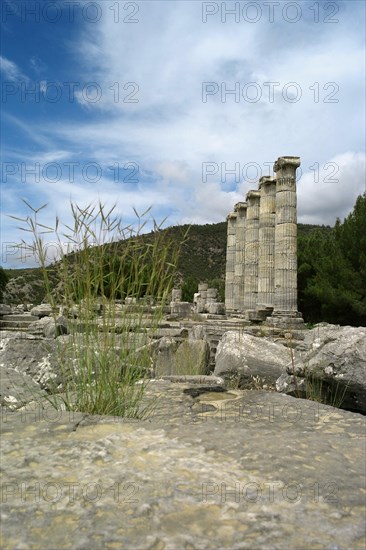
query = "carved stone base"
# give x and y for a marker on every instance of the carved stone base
(181, 309)
(260, 314)
(286, 320)
(253, 316)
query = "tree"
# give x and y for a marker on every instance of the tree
(4, 278)
(189, 287)
(332, 271)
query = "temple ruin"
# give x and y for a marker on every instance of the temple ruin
(261, 260)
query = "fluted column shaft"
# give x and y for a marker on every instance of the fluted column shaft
(286, 237)
(241, 211)
(267, 222)
(251, 251)
(230, 262)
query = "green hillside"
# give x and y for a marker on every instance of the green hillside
(331, 267)
(202, 258)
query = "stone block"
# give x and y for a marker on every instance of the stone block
(202, 287)
(245, 356)
(164, 361)
(43, 310)
(5, 309)
(176, 295)
(216, 308)
(192, 357)
(181, 309)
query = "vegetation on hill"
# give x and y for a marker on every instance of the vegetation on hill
(4, 278)
(332, 271)
(331, 266)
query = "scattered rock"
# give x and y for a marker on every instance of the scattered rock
(43, 310)
(333, 365)
(192, 357)
(48, 327)
(185, 358)
(216, 308)
(54, 329)
(164, 362)
(5, 309)
(38, 327)
(292, 385)
(181, 309)
(244, 356)
(31, 356)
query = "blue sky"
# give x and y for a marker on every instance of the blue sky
(131, 103)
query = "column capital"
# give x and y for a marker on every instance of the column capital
(266, 180)
(240, 206)
(281, 162)
(231, 216)
(253, 194)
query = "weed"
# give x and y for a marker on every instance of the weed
(315, 387)
(103, 368)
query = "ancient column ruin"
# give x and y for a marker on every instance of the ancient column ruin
(285, 269)
(241, 211)
(267, 222)
(251, 252)
(230, 262)
(261, 261)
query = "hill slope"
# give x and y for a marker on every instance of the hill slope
(202, 258)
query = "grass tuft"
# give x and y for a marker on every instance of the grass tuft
(100, 263)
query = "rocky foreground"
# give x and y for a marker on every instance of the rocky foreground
(209, 469)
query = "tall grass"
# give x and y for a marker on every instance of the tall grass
(315, 387)
(100, 265)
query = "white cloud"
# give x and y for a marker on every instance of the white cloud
(331, 189)
(170, 132)
(11, 71)
(37, 65)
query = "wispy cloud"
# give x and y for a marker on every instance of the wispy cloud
(37, 64)
(149, 78)
(11, 71)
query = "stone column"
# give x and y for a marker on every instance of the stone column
(241, 211)
(201, 302)
(286, 238)
(251, 251)
(211, 295)
(176, 295)
(267, 222)
(230, 262)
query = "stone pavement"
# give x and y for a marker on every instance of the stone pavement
(209, 469)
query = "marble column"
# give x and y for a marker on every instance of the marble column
(285, 303)
(230, 262)
(241, 211)
(251, 251)
(267, 221)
